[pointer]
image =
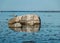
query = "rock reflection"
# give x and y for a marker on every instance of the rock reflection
(27, 28)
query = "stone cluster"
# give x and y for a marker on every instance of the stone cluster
(25, 23)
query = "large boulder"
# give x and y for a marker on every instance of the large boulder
(25, 23)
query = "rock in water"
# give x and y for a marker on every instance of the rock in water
(25, 23)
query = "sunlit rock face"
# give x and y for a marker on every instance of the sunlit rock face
(25, 23)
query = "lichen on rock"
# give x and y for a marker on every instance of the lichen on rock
(25, 23)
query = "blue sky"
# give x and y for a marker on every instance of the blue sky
(25, 5)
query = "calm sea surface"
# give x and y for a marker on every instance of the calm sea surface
(49, 31)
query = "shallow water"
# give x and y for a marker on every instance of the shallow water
(49, 31)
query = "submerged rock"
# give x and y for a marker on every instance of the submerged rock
(28, 41)
(25, 23)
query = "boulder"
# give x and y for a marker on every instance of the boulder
(25, 23)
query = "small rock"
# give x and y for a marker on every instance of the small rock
(25, 23)
(29, 42)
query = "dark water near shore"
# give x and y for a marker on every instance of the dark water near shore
(49, 31)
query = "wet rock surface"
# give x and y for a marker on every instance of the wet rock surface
(25, 23)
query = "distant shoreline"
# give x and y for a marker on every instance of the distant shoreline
(29, 11)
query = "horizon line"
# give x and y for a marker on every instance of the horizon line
(29, 11)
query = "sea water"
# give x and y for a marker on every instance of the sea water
(48, 33)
